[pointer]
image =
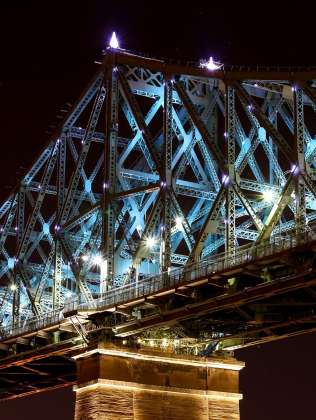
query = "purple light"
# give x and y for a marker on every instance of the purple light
(225, 134)
(212, 65)
(225, 179)
(294, 169)
(114, 42)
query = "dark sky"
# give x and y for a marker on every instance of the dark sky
(47, 52)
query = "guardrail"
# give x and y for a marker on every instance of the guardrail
(175, 278)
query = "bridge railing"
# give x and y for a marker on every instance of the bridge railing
(158, 283)
(204, 268)
(35, 323)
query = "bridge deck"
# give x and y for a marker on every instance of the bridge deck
(210, 271)
(50, 365)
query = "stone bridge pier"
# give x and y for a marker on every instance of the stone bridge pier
(129, 384)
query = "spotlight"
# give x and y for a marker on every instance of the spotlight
(114, 41)
(211, 64)
(268, 195)
(97, 259)
(150, 242)
(179, 223)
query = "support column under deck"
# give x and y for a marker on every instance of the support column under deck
(126, 384)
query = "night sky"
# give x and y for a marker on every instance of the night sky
(47, 52)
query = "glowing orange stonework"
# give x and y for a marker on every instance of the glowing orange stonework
(116, 383)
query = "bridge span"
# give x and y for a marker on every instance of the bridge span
(186, 299)
(169, 219)
(212, 272)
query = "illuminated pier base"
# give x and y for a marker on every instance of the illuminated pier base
(129, 385)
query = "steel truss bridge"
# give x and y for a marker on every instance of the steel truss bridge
(174, 206)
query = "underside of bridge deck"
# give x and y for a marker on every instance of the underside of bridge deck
(213, 313)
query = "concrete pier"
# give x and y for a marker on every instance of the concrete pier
(126, 384)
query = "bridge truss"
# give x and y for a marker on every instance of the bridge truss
(158, 165)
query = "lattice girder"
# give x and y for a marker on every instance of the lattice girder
(154, 167)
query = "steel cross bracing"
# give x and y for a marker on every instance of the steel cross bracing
(156, 166)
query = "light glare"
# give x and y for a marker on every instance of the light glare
(150, 242)
(179, 223)
(268, 195)
(97, 259)
(211, 64)
(114, 41)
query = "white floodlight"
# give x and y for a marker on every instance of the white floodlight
(150, 242)
(84, 257)
(97, 259)
(268, 195)
(179, 223)
(103, 270)
(13, 287)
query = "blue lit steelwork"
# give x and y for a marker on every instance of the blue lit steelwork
(156, 166)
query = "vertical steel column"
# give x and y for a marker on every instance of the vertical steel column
(61, 168)
(299, 170)
(16, 301)
(230, 194)
(213, 124)
(167, 173)
(19, 229)
(21, 208)
(110, 150)
(273, 146)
